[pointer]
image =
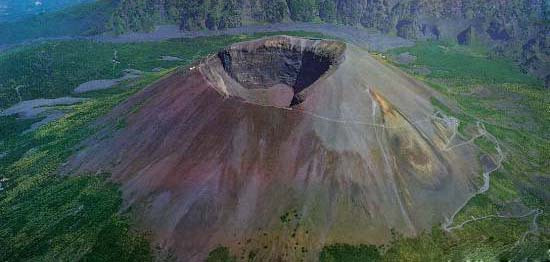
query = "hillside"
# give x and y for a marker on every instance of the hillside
(48, 217)
(310, 143)
(516, 28)
(11, 10)
(78, 20)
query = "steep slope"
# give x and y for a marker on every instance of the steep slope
(280, 146)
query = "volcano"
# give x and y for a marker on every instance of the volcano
(279, 146)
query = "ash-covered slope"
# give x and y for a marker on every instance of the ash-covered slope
(279, 146)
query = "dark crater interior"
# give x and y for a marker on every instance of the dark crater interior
(270, 65)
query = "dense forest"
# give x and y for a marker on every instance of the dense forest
(407, 18)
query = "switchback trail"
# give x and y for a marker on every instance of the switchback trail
(535, 212)
(482, 132)
(447, 226)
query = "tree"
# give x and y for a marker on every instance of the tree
(327, 11)
(133, 15)
(231, 15)
(302, 10)
(193, 15)
(275, 10)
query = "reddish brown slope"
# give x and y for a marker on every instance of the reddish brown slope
(280, 146)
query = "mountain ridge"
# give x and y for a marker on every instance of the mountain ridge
(518, 29)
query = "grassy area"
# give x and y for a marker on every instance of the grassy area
(46, 217)
(465, 65)
(54, 69)
(220, 254)
(349, 253)
(83, 19)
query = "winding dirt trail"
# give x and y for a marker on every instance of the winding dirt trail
(370, 39)
(19, 93)
(448, 225)
(535, 212)
(454, 123)
(534, 226)
(481, 132)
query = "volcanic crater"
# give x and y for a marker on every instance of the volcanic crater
(217, 154)
(280, 65)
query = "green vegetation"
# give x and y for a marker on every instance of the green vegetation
(303, 10)
(289, 216)
(47, 217)
(349, 253)
(327, 11)
(54, 69)
(142, 15)
(274, 10)
(514, 108)
(462, 66)
(133, 15)
(83, 19)
(11, 126)
(220, 254)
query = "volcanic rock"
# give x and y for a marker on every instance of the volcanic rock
(280, 146)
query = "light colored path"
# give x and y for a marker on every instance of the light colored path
(372, 40)
(32, 108)
(50, 117)
(447, 226)
(40, 107)
(170, 58)
(106, 83)
(19, 93)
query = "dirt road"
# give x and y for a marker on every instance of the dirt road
(372, 40)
